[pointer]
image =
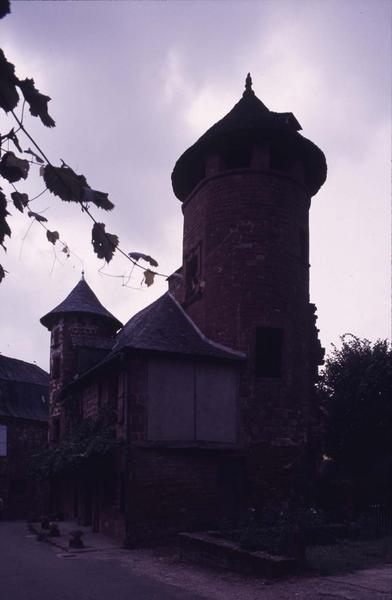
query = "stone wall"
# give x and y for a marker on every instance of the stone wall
(22, 494)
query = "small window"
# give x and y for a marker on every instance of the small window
(56, 367)
(269, 345)
(279, 159)
(237, 156)
(3, 440)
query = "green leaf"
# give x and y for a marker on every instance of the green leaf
(37, 216)
(4, 227)
(148, 277)
(4, 8)
(20, 200)
(9, 96)
(100, 199)
(34, 155)
(37, 102)
(65, 183)
(13, 168)
(52, 236)
(139, 255)
(11, 135)
(104, 243)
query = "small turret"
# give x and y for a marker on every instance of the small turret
(82, 330)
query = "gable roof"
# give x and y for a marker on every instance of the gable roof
(80, 300)
(23, 390)
(163, 326)
(13, 369)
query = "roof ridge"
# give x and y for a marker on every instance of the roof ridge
(201, 334)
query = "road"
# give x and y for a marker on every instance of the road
(31, 570)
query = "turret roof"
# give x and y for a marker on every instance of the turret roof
(248, 120)
(80, 300)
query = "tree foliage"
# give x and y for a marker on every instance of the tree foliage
(355, 388)
(90, 439)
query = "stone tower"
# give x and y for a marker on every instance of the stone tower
(246, 187)
(81, 328)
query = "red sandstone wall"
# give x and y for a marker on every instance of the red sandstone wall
(249, 223)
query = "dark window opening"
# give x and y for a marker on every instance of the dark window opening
(237, 157)
(269, 346)
(56, 367)
(280, 160)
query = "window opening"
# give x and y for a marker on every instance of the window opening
(268, 356)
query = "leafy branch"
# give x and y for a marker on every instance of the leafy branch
(61, 181)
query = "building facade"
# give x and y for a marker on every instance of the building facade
(23, 433)
(209, 391)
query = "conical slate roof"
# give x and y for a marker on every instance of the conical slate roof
(81, 300)
(248, 121)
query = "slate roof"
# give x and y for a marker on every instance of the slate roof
(249, 120)
(80, 300)
(163, 326)
(23, 390)
(12, 369)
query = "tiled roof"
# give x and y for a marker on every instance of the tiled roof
(23, 390)
(163, 326)
(81, 300)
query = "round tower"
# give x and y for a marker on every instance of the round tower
(246, 187)
(79, 325)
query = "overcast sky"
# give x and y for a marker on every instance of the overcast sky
(133, 84)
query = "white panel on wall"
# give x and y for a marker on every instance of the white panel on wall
(170, 400)
(216, 402)
(3, 440)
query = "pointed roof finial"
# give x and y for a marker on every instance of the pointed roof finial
(248, 86)
(83, 274)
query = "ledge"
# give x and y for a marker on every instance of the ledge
(206, 548)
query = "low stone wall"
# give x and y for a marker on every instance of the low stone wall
(208, 549)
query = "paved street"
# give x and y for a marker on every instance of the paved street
(31, 570)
